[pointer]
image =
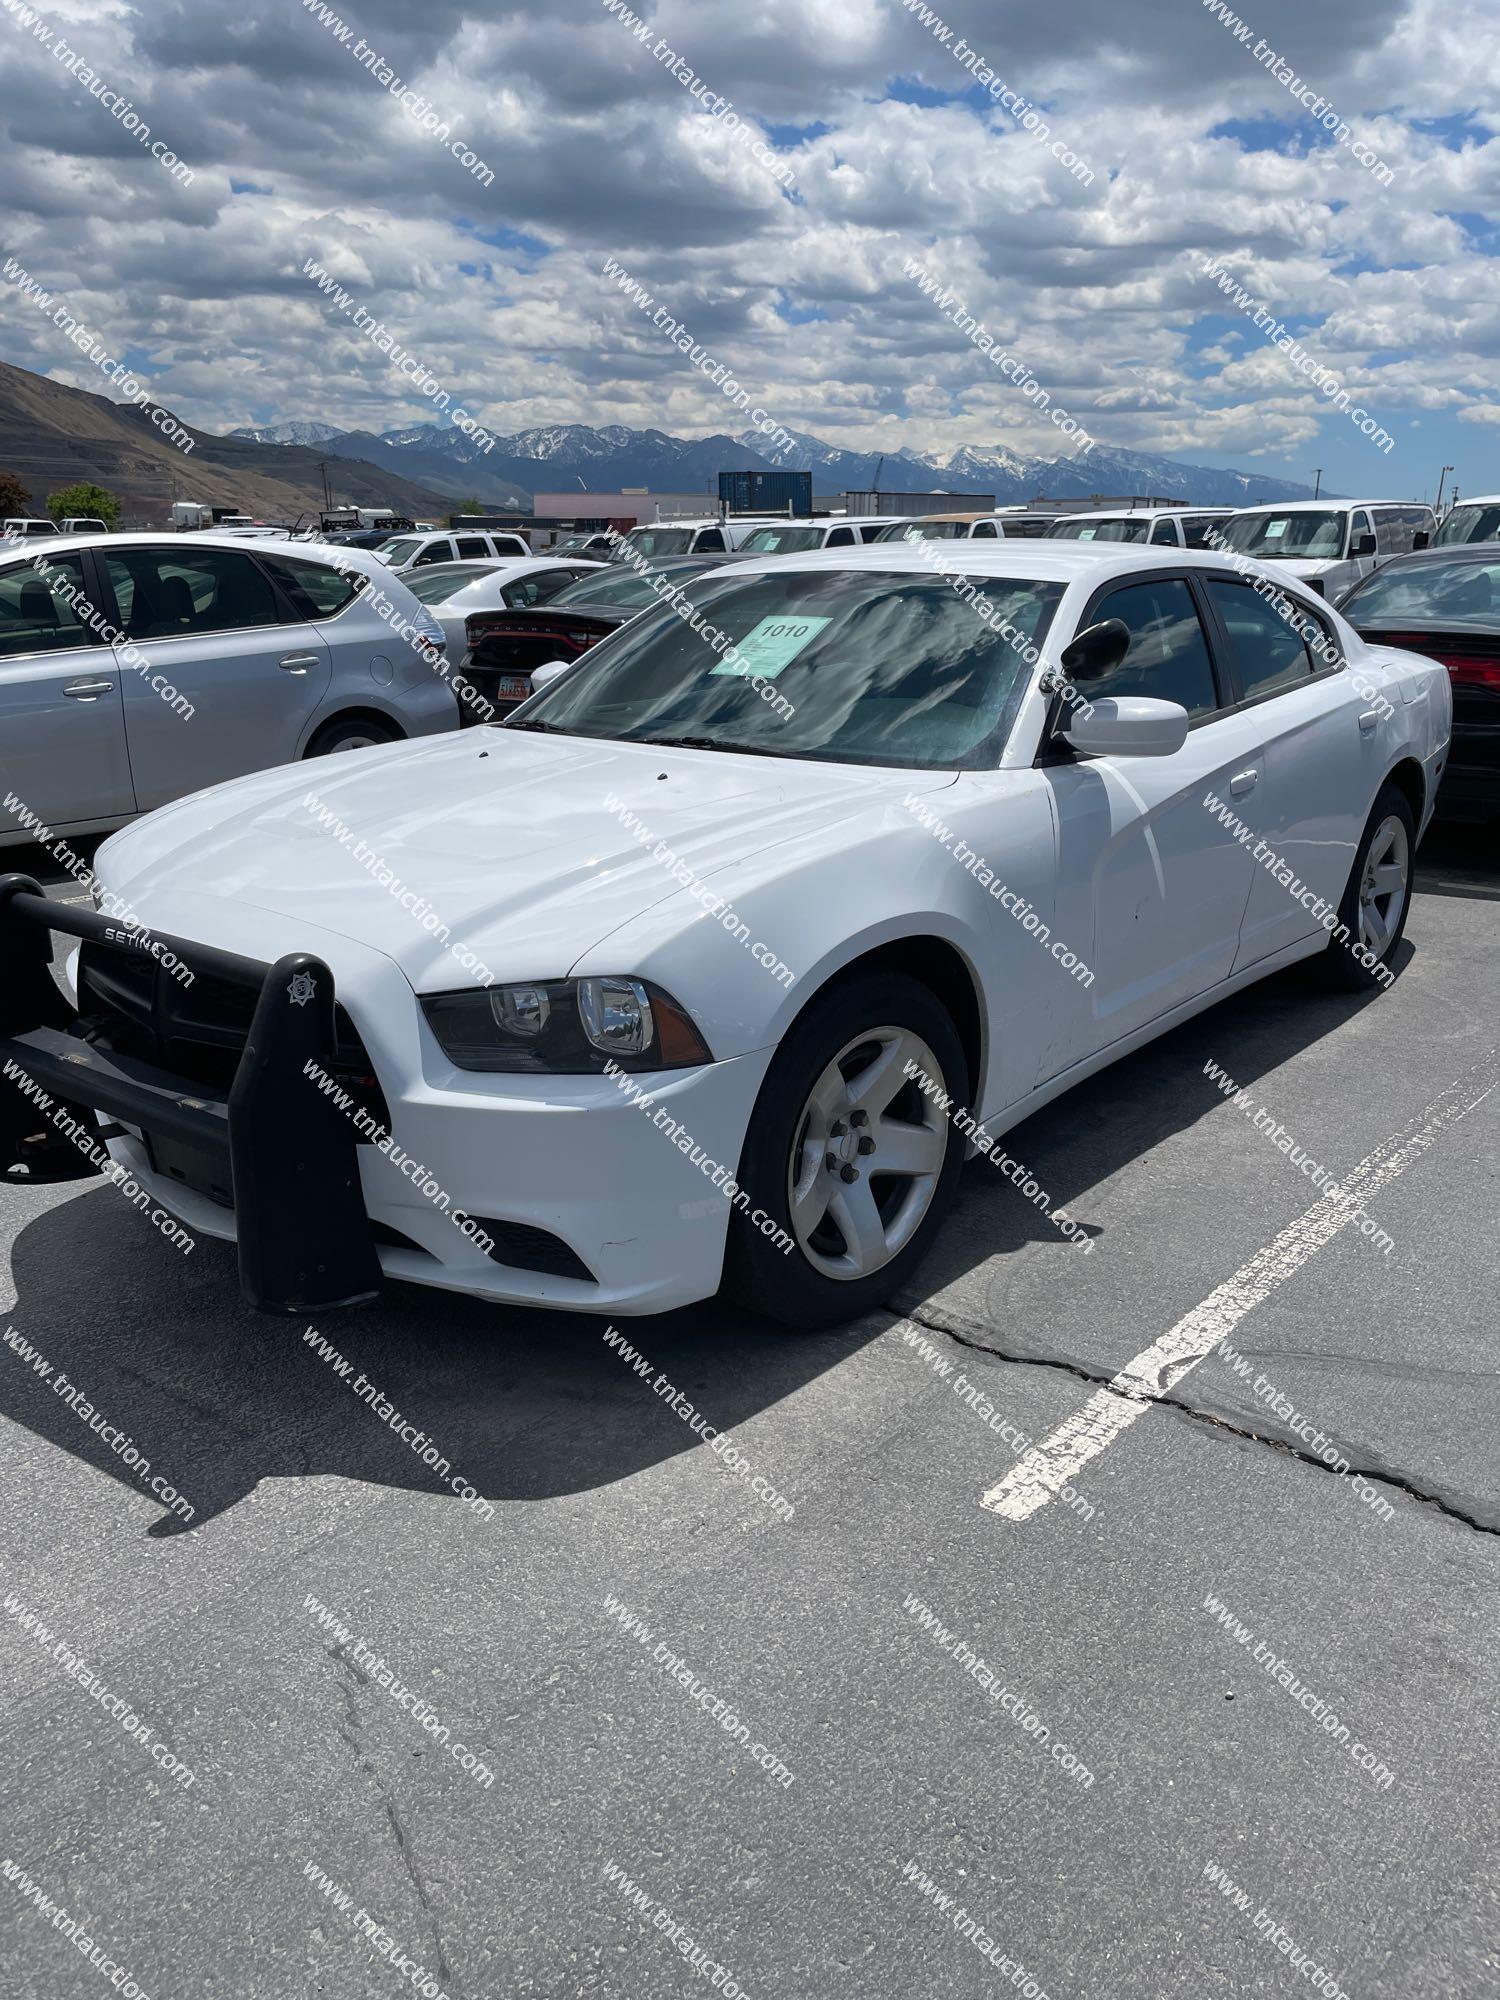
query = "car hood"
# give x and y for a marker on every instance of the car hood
(1301, 565)
(522, 849)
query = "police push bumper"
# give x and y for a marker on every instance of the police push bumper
(212, 1078)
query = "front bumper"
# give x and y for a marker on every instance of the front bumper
(305, 1243)
(640, 1227)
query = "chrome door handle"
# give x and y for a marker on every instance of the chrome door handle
(1244, 782)
(298, 663)
(87, 690)
(1368, 721)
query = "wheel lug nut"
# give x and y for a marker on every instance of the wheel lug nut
(867, 1145)
(849, 1173)
(859, 1117)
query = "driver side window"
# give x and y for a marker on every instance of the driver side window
(1168, 658)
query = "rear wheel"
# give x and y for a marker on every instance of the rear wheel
(1373, 913)
(353, 732)
(847, 1155)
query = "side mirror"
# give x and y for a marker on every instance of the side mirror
(1129, 725)
(1421, 540)
(544, 676)
(1362, 545)
(1096, 651)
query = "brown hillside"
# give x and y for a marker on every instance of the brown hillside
(51, 435)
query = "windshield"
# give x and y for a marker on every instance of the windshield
(1469, 524)
(1100, 531)
(439, 580)
(855, 667)
(929, 531)
(783, 541)
(1450, 594)
(1303, 535)
(399, 551)
(661, 541)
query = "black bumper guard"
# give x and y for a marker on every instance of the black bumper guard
(284, 1148)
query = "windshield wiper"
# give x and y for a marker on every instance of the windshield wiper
(552, 728)
(702, 743)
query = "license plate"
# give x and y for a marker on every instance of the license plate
(514, 685)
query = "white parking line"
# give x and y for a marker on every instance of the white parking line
(1057, 1460)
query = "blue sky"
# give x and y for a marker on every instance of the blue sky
(770, 188)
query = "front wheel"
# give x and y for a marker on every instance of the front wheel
(1373, 913)
(848, 1155)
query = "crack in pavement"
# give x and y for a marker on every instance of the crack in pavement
(1398, 1481)
(351, 1736)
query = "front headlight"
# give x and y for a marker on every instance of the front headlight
(565, 1027)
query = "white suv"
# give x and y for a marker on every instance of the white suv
(458, 545)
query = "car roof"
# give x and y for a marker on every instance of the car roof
(1131, 513)
(1033, 559)
(1327, 505)
(1468, 500)
(1449, 552)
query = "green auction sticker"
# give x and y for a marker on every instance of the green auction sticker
(770, 646)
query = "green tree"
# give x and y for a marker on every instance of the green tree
(473, 505)
(14, 499)
(84, 498)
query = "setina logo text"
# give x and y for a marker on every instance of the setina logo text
(137, 938)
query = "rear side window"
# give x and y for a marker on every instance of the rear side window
(1165, 531)
(170, 593)
(839, 538)
(1168, 658)
(44, 614)
(711, 538)
(1270, 653)
(315, 590)
(986, 528)
(470, 546)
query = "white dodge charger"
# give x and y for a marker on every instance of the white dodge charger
(697, 972)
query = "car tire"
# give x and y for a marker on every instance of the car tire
(858, 1232)
(351, 732)
(1370, 916)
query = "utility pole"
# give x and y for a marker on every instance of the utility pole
(1317, 480)
(1438, 506)
(327, 501)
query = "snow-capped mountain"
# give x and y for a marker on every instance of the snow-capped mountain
(556, 457)
(292, 433)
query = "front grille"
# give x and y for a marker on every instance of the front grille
(131, 1005)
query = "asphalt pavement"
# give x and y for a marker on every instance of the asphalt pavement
(1116, 1624)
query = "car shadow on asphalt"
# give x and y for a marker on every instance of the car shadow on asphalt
(524, 1405)
(529, 1405)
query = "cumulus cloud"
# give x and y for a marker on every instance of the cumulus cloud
(598, 150)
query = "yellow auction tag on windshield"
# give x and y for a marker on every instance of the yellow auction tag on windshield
(769, 647)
